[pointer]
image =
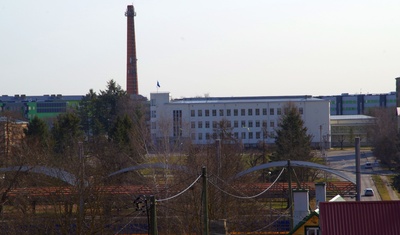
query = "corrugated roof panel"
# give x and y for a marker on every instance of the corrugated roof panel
(364, 218)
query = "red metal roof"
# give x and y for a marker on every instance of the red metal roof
(364, 218)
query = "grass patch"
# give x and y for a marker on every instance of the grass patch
(380, 186)
(350, 149)
(391, 178)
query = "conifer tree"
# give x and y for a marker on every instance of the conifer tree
(66, 133)
(37, 131)
(291, 139)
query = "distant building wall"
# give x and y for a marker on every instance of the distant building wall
(11, 133)
(250, 120)
(347, 104)
(44, 107)
(345, 128)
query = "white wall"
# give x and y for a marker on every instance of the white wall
(315, 116)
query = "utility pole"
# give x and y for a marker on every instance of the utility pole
(142, 205)
(320, 136)
(290, 195)
(218, 145)
(153, 216)
(270, 199)
(206, 228)
(358, 169)
(81, 188)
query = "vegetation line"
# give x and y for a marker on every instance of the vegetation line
(380, 186)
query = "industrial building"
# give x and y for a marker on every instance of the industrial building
(48, 106)
(44, 107)
(344, 128)
(359, 104)
(251, 120)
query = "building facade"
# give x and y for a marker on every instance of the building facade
(251, 120)
(346, 104)
(344, 129)
(44, 107)
(11, 133)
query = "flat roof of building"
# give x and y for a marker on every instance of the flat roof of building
(350, 117)
(355, 95)
(36, 98)
(244, 99)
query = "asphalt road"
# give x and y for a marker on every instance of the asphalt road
(344, 160)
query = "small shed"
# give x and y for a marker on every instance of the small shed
(309, 225)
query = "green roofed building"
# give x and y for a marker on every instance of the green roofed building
(44, 107)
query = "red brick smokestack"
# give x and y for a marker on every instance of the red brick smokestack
(131, 65)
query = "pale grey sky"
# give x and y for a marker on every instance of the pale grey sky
(193, 48)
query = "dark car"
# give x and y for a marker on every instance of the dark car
(368, 165)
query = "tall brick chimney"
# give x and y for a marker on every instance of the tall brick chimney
(131, 64)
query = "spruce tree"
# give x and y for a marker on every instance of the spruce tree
(292, 140)
(37, 131)
(66, 133)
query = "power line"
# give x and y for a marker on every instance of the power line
(128, 223)
(248, 197)
(178, 194)
(273, 222)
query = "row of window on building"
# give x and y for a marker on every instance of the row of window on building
(52, 110)
(236, 112)
(226, 123)
(354, 101)
(258, 135)
(232, 112)
(42, 107)
(229, 124)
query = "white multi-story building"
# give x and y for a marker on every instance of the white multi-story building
(250, 120)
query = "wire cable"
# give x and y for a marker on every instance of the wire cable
(273, 222)
(178, 194)
(137, 215)
(249, 197)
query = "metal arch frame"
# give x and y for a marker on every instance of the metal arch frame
(150, 166)
(72, 180)
(297, 164)
(52, 172)
(256, 168)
